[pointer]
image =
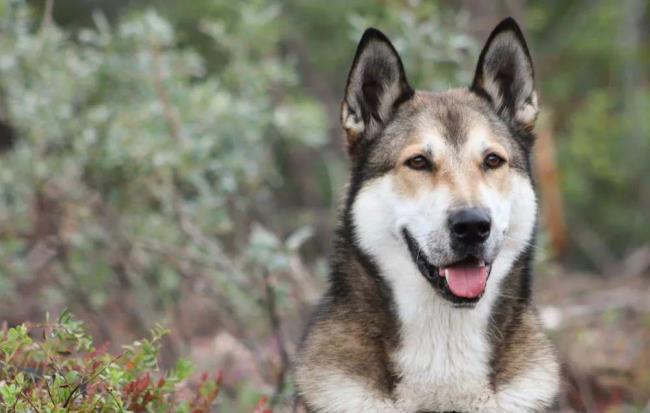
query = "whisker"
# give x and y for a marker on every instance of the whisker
(524, 242)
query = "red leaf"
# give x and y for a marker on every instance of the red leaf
(99, 351)
(262, 406)
(143, 383)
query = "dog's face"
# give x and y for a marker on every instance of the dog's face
(443, 177)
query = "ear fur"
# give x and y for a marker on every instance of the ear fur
(376, 86)
(505, 76)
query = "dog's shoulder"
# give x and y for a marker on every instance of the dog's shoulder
(344, 352)
(525, 369)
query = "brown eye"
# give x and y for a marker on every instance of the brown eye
(418, 163)
(493, 161)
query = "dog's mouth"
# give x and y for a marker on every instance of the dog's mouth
(462, 282)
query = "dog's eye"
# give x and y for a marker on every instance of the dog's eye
(493, 161)
(418, 163)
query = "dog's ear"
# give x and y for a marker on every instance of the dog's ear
(376, 86)
(504, 75)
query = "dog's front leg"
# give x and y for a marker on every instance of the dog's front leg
(337, 393)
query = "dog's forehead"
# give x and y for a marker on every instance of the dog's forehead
(445, 123)
(456, 118)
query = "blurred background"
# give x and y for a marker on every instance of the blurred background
(181, 163)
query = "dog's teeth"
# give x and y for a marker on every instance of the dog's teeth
(481, 264)
(446, 272)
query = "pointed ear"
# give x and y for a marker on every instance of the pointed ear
(376, 86)
(504, 75)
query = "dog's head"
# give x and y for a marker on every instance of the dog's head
(443, 178)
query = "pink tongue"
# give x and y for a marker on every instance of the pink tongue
(468, 282)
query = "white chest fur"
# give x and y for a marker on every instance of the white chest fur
(443, 359)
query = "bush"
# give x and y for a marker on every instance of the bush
(55, 367)
(136, 172)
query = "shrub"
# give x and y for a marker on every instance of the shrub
(135, 170)
(55, 367)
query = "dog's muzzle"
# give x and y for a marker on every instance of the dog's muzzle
(461, 282)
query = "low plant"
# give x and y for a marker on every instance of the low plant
(54, 367)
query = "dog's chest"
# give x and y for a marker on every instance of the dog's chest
(443, 362)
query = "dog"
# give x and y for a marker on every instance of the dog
(429, 307)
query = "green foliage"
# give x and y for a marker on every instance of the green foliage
(138, 176)
(600, 138)
(62, 371)
(593, 78)
(137, 162)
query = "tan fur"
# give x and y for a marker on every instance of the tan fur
(451, 164)
(365, 344)
(351, 126)
(514, 361)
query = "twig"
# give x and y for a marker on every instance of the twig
(87, 380)
(276, 328)
(173, 120)
(584, 390)
(176, 133)
(47, 388)
(31, 404)
(47, 15)
(597, 251)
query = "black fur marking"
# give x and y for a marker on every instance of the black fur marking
(454, 126)
(506, 317)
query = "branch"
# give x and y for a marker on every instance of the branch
(172, 117)
(46, 21)
(276, 328)
(175, 129)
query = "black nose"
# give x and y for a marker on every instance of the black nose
(469, 225)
